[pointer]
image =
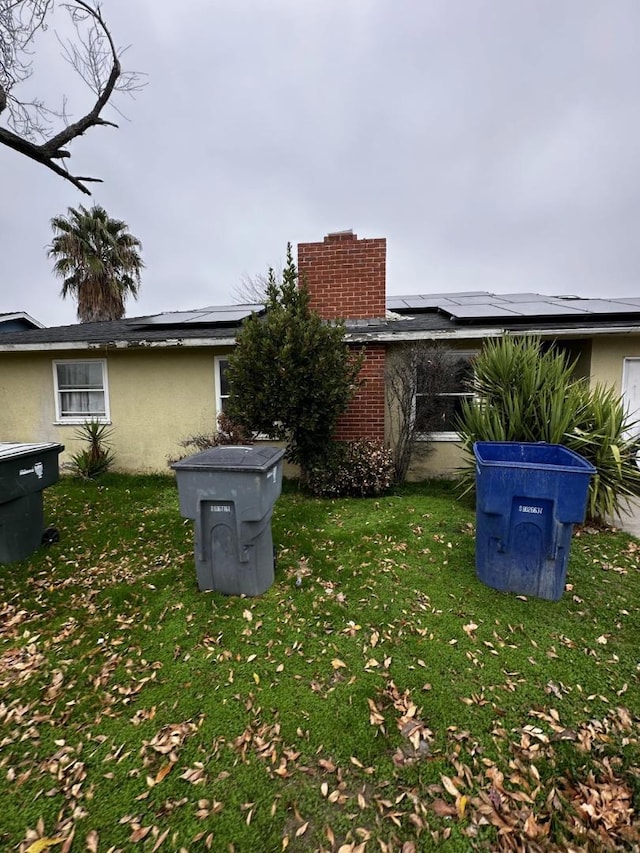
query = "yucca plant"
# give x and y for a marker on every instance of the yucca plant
(523, 392)
(605, 436)
(97, 458)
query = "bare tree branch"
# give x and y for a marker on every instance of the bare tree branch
(94, 57)
(252, 289)
(424, 368)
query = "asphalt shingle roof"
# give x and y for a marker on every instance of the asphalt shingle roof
(409, 315)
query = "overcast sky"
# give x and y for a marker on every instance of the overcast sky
(494, 143)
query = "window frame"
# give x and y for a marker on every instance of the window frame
(218, 361)
(635, 413)
(63, 419)
(219, 396)
(448, 435)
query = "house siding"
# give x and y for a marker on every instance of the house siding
(157, 399)
(607, 358)
(435, 459)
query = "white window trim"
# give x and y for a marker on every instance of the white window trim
(439, 436)
(448, 435)
(217, 361)
(633, 415)
(61, 420)
(218, 395)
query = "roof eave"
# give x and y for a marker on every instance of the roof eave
(474, 333)
(167, 343)
(352, 337)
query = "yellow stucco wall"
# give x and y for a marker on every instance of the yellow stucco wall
(607, 357)
(157, 398)
(435, 459)
(27, 410)
(160, 396)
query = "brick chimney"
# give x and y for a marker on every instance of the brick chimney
(345, 276)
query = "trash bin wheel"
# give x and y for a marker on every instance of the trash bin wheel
(50, 535)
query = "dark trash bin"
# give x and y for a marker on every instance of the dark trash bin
(230, 492)
(528, 498)
(25, 470)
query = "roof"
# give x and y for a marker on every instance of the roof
(470, 314)
(204, 327)
(17, 321)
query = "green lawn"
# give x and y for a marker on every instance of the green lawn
(388, 701)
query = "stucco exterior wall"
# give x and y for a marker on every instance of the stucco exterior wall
(160, 396)
(157, 398)
(27, 408)
(607, 357)
(432, 459)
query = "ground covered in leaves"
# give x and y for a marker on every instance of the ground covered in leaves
(378, 697)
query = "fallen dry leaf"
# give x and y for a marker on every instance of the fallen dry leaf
(91, 841)
(43, 844)
(164, 772)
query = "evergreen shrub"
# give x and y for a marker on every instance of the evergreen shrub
(361, 468)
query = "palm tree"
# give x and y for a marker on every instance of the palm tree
(98, 261)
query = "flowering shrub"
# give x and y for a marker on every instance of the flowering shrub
(361, 468)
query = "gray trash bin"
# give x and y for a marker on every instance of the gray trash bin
(25, 470)
(230, 492)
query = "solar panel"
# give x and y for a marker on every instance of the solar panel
(472, 312)
(171, 318)
(426, 301)
(472, 305)
(543, 308)
(481, 299)
(632, 301)
(598, 306)
(211, 316)
(466, 305)
(227, 314)
(520, 297)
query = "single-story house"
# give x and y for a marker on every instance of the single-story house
(159, 379)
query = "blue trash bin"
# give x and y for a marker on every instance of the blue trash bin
(528, 498)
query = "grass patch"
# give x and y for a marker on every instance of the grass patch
(378, 695)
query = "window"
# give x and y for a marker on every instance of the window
(81, 390)
(443, 382)
(222, 383)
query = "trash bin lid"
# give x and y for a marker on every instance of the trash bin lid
(232, 458)
(536, 455)
(14, 450)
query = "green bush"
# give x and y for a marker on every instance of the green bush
(523, 392)
(362, 468)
